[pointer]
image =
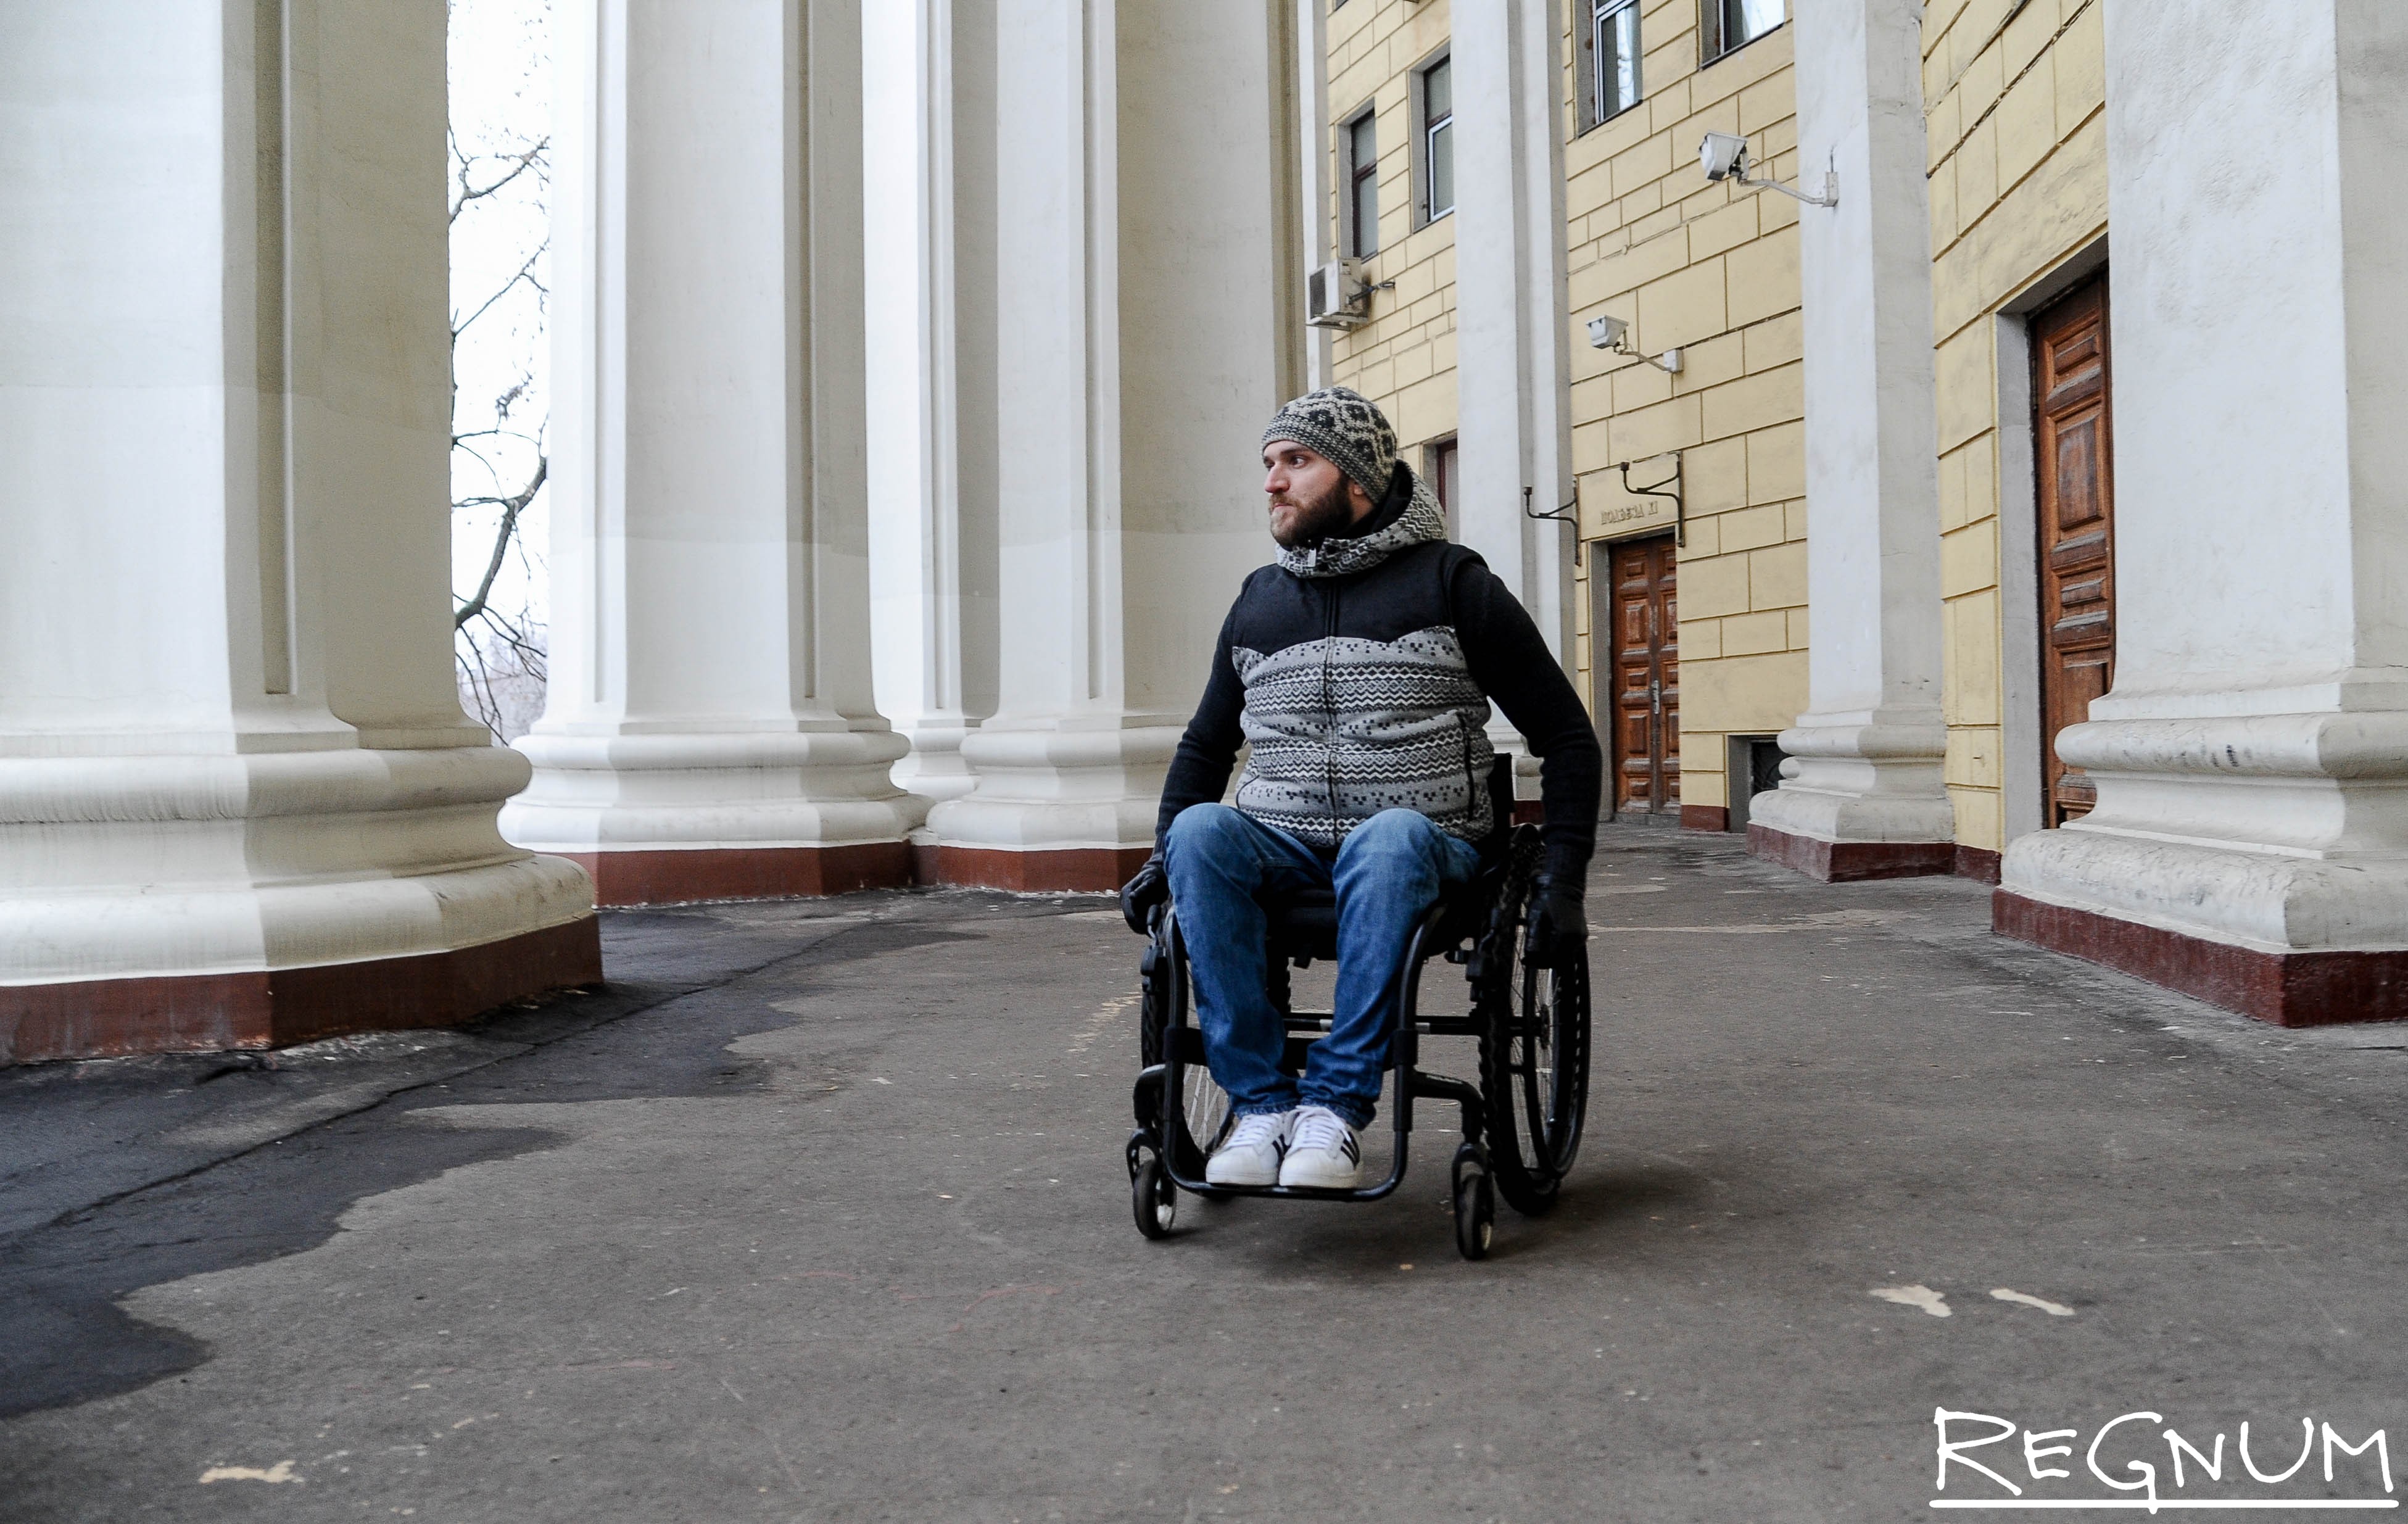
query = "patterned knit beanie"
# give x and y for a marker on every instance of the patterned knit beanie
(1345, 428)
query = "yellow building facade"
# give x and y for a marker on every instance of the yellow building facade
(1903, 546)
(2016, 111)
(1690, 265)
(1711, 270)
(1403, 358)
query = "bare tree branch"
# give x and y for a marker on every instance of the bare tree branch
(520, 163)
(498, 157)
(525, 273)
(511, 508)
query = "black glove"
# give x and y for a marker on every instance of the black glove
(1559, 927)
(1146, 889)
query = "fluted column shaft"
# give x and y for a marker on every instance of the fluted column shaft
(1863, 793)
(1148, 325)
(710, 731)
(239, 804)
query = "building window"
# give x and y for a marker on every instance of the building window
(1728, 25)
(1360, 236)
(1437, 103)
(1610, 58)
(1442, 480)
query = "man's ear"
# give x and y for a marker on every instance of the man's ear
(1359, 500)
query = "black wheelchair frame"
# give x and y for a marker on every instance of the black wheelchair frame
(1520, 1122)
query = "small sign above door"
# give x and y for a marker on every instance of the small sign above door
(1609, 511)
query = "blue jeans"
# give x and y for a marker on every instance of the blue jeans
(1225, 867)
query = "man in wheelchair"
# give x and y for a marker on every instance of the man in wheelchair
(1359, 668)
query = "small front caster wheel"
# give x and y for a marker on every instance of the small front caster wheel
(1154, 1197)
(1475, 1204)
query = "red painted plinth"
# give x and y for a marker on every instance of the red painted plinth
(1705, 817)
(674, 878)
(105, 1018)
(1070, 869)
(2289, 989)
(1848, 862)
(1979, 864)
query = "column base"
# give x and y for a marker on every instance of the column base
(1037, 870)
(933, 770)
(674, 817)
(1055, 810)
(2316, 989)
(1849, 862)
(108, 1018)
(1861, 796)
(675, 876)
(1980, 864)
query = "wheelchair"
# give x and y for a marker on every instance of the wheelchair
(1521, 1121)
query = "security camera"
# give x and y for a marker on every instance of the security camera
(1606, 333)
(1723, 155)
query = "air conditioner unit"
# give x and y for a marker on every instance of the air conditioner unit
(1335, 295)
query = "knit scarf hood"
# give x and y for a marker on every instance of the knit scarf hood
(1409, 515)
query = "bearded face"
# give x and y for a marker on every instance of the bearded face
(1309, 497)
(1297, 521)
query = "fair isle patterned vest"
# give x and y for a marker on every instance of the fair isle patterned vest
(1341, 727)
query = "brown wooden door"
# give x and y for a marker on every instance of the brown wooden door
(1642, 635)
(2072, 454)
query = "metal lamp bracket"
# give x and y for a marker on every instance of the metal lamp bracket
(1680, 507)
(1569, 514)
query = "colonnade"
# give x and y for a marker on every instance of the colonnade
(1015, 285)
(909, 362)
(1074, 248)
(710, 730)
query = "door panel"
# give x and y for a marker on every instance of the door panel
(2072, 437)
(1641, 625)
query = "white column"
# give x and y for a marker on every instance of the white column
(710, 731)
(1512, 315)
(929, 219)
(2250, 841)
(1316, 163)
(1149, 326)
(1862, 794)
(239, 805)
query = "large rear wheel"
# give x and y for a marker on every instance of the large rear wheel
(1200, 1117)
(1534, 1052)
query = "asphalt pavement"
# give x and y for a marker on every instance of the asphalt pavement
(819, 1212)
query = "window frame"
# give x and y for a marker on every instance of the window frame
(1713, 45)
(1442, 469)
(1592, 78)
(1425, 178)
(1351, 242)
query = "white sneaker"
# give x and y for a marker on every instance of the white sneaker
(1323, 1152)
(1252, 1153)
